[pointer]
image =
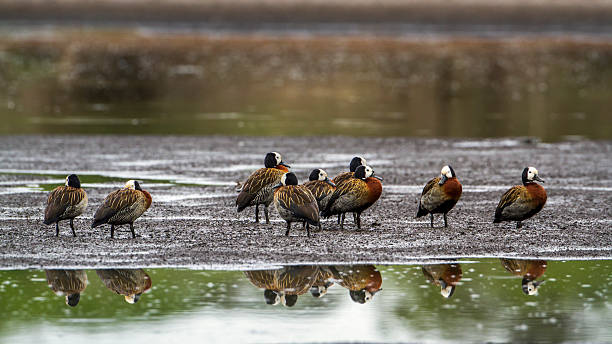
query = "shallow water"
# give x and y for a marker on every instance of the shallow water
(488, 304)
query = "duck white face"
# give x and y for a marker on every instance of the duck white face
(131, 184)
(368, 171)
(284, 179)
(368, 296)
(446, 292)
(322, 175)
(363, 161)
(67, 180)
(532, 173)
(278, 158)
(531, 288)
(446, 171)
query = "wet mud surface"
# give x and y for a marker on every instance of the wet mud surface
(193, 221)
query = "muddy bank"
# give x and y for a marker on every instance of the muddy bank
(193, 222)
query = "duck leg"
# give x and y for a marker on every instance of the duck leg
(72, 227)
(357, 220)
(519, 224)
(257, 213)
(266, 213)
(445, 222)
(112, 231)
(57, 228)
(308, 230)
(355, 217)
(431, 216)
(288, 228)
(342, 221)
(132, 229)
(339, 216)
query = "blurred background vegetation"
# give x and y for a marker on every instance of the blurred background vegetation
(390, 68)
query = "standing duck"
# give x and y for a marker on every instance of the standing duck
(446, 276)
(530, 270)
(67, 282)
(131, 283)
(123, 207)
(321, 187)
(295, 203)
(344, 176)
(66, 203)
(355, 195)
(258, 189)
(362, 281)
(522, 201)
(440, 195)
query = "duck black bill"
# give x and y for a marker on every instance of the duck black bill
(329, 182)
(283, 164)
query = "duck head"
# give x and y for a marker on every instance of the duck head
(362, 296)
(530, 174)
(319, 174)
(446, 173)
(356, 162)
(133, 184)
(530, 287)
(271, 297)
(73, 299)
(319, 290)
(288, 178)
(363, 172)
(73, 181)
(446, 290)
(274, 159)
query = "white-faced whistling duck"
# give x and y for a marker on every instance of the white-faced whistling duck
(66, 203)
(355, 195)
(123, 207)
(344, 176)
(131, 283)
(295, 203)
(321, 187)
(530, 270)
(67, 282)
(362, 281)
(446, 276)
(258, 189)
(440, 195)
(522, 201)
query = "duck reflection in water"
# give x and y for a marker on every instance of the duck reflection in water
(67, 282)
(530, 270)
(323, 281)
(446, 276)
(131, 283)
(362, 281)
(283, 285)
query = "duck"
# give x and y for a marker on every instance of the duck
(283, 285)
(258, 188)
(70, 283)
(344, 176)
(521, 202)
(529, 269)
(355, 195)
(321, 187)
(440, 195)
(446, 276)
(362, 281)
(65, 203)
(123, 207)
(295, 203)
(131, 283)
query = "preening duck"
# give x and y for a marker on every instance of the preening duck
(295, 203)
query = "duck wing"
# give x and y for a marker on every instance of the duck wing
(114, 203)
(60, 199)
